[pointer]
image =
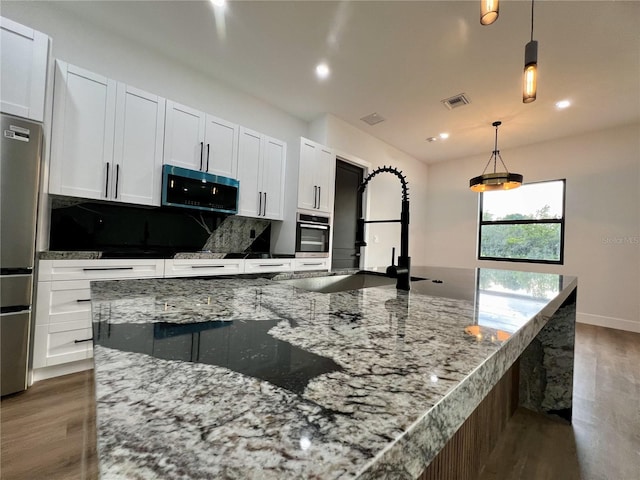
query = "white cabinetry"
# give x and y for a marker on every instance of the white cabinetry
(258, 265)
(24, 54)
(261, 171)
(311, 264)
(199, 141)
(137, 153)
(202, 267)
(107, 139)
(316, 178)
(63, 330)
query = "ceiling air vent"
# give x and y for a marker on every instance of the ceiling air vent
(456, 101)
(373, 119)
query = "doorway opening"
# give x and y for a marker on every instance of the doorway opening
(346, 211)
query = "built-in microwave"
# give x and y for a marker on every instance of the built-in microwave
(312, 235)
(186, 188)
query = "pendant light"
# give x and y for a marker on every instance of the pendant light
(496, 180)
(530, 77)
(489, 11)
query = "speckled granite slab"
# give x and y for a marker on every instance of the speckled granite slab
(68, 255)
(253, 378)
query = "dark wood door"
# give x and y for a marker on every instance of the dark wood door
(347, 208)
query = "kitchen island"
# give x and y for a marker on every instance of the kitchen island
(247, 377)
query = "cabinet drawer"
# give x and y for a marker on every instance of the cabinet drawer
(99, 269)
(202, 267)
(256, 265)
(68, 346)
(311, 264)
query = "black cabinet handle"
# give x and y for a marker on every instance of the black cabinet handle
(201, 153)
(106, 183)
(259, 203)
(207, 158)
(83, 340)
(95, 269)
(207, 266)
(80, 300)
(319, 195)
(117, 178)
(264, 209)
(315, 196)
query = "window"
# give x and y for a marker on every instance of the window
(523, 225)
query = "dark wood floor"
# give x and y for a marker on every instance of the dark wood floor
(48, 432)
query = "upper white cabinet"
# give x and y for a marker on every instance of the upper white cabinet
(137, 153)
(82, 136)
(316, 177)
(24, 54)
(199, 141)
(107, 139)
(261, 171)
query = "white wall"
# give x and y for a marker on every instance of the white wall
(602, 244)
(385, 191)
(104, 52)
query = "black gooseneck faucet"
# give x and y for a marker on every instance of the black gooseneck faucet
(401, 271)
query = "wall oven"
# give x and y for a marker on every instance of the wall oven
(312, 235)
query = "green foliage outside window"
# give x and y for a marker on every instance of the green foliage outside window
(535, 236)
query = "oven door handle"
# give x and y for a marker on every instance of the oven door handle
(316, 227)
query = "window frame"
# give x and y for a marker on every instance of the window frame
(560, 221)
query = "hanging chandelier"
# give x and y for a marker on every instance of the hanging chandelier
(496, 180)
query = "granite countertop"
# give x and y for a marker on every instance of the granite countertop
(99, 254)
(254, 378)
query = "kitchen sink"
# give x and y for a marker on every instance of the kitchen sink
(342, 283)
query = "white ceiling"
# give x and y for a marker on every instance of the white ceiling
(400, 59)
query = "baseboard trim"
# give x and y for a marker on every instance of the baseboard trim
(59, 370)
(608, 322)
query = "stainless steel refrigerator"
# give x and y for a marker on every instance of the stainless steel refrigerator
(21, 145)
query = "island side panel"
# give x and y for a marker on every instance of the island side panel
(546, 366)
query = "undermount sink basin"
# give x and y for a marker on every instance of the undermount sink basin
(342, 283)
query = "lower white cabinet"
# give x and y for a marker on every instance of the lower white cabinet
(201, 267)
(311, 264)
(63, 331)
(264, 265)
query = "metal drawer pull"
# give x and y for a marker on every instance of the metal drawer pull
(83, 340)
(106, 183)
(207, 266)
(271, 265)
(117, 178)
(309, 264)
(80, 300)
(97, 269)
(264, 210)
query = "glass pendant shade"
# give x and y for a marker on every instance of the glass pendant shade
(496, 180)
(489, 11)
(530, 76)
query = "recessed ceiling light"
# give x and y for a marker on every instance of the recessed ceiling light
(444, 136)
(432, 139)
(563, 104)
(322, 71)
(219, 3)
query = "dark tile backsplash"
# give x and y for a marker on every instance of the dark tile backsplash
(85, 225)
